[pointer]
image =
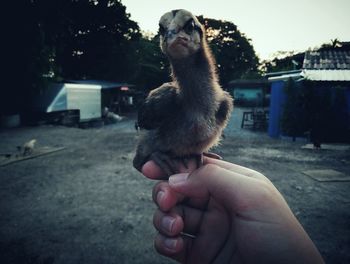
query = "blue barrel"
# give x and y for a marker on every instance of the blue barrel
(277, 100)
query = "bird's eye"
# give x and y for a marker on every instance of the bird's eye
(161, 30)
(189, 26)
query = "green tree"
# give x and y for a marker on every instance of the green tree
(68, 39)
(233, 51)
(90, 38)
(234, 54)
(152, 65)
(27, 57)
(283, 61)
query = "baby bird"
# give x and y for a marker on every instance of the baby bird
(184, 118)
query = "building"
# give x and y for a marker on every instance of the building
(327, 66)
(253, 93)
(84, 100)
(325, 76)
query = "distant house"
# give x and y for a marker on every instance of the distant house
(249, 92)
(117, 97)
(88, 98)
(327, 74)
(327, 66)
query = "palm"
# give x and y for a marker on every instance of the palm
(212, 236)
(233, 215)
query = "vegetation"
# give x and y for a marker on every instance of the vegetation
(96, 39)
(72, 39)
(283, 61)
(291, 60)
(233, 51)
(84, 39)
(152, 66)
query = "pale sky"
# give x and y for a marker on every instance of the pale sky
(273, 25)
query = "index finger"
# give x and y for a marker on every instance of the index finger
(152, 171)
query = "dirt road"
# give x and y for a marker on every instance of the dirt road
(86, 204)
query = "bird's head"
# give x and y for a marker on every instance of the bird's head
(181, 34)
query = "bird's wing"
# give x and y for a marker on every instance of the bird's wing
(158, 107)
(225, 108)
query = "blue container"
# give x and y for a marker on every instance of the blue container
(277, 100)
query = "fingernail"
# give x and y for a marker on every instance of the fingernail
(178, 178)
(170, 243)
(160, 196)
(167, 223)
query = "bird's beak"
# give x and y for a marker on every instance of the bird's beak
(170, 34)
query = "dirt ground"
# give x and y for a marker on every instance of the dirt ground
(86, 204)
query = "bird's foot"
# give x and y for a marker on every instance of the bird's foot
(180, 164)
(165, 162)
(191, 161)
(212, 155)
(177, 164)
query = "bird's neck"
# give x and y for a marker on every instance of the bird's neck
(196, 77)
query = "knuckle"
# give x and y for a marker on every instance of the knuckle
(265, 192)
(160, 186)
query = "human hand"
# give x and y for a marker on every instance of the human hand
(233, 215)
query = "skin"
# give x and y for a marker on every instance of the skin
(225, 213)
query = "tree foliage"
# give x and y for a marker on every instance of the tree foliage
(234, 53)
(292, 60)
(96, 39)
(283, 61)
(70, 39)
(87, 38)
(152, 65)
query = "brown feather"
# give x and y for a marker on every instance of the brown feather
(191, 111)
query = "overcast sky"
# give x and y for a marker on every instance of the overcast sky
(273, 25)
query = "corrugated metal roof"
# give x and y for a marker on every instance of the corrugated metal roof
(101, 83)
(285, 77)
(326, 75)
(327, 65)
(280, 73)
(327, 60)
